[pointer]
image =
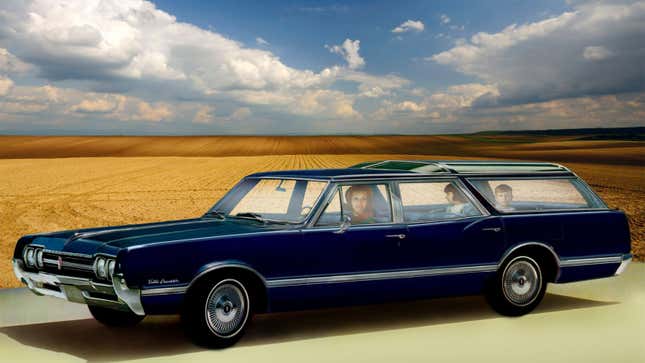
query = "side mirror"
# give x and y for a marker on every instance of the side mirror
(347, 221)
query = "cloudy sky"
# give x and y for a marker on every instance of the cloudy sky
(312, 67)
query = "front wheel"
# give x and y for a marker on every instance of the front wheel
(111, 317)
(217, 312)
(518, 287)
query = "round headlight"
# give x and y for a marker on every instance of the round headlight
(101, 270)
(31, 260)
(39, 258)
(111, 265)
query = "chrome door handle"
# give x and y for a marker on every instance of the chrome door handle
(492, 229)
(399, 236)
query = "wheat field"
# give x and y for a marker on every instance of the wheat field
(56, 193)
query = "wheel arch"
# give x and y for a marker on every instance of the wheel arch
(249, 274)
(542, 251)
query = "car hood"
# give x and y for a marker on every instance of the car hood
(110, 239)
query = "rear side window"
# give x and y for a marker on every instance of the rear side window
(518, 195)
(435, 201)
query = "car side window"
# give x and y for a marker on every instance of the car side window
(332, 214)
(519, 195)
(363, 203)
(435, 201)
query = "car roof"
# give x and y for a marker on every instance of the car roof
(332, 173)
(463, 166)
(423, 168)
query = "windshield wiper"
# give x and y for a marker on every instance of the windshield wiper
(216, 214)
(251, 215)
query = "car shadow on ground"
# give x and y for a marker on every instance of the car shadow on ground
(159, 336)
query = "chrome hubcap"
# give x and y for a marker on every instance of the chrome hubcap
(521, 282)
(226, 308)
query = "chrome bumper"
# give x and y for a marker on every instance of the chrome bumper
(623, 265)
(82, 290)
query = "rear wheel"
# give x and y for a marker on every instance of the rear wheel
(217, 312)
(111, 317)
(518, 287)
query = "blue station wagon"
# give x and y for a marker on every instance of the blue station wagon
(375, 232)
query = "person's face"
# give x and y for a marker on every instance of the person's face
(503, 198)
(359, 202)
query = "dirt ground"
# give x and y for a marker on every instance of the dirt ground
(594, 321)
(39, 194)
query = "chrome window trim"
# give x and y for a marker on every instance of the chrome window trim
(534, 177)
(334, 186)
(459, 184)
(356, 227)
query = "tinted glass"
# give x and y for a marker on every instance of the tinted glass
(510, 195)
(272, 199)
(432, 201)
(363, 203)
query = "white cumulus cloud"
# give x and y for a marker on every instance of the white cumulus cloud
(542, 61)
(131, 43)
(349, 51)
(408, 26)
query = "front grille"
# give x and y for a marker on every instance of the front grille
(77, 266)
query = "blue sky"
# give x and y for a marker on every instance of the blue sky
(317, 67)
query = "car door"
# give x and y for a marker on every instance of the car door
(446, 231)
(345, 259)
(357, 246)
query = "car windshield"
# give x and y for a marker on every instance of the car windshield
(269, 200)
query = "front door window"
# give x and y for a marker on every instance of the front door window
(362, 203)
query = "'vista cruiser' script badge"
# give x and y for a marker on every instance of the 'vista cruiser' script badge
(162, 281)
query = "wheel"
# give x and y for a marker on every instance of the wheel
(518, 287)
(217, 312)
(111, 317)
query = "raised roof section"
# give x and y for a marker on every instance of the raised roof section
(329, 173)
(462, 167)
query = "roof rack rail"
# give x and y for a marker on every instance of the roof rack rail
(463, 166)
